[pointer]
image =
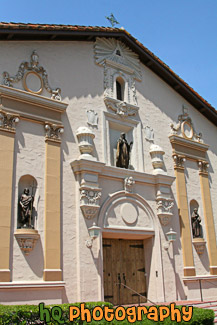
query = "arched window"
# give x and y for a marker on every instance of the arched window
(120, 88)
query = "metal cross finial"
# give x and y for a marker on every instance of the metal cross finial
(113, 21)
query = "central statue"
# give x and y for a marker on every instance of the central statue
(26, 208)
(123, 152)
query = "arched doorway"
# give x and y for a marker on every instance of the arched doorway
(127, 240)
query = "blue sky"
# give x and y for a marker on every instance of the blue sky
(182, 33)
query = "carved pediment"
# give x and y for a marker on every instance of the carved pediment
(33, 76)
(116, 52)
(185, 127)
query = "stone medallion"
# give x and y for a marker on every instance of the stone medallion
(129, 213)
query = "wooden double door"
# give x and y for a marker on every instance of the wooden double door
(124, 271)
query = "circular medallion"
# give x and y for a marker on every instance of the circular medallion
(129, 213)
(187, 130)
(33, 82)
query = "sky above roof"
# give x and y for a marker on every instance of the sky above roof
(181, 33)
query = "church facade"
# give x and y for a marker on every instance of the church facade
(108, 171)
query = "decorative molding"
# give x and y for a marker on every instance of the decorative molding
(89, 201)
(32, 67)
(8, 120)
(118, 61)
(128, 184)
(32, 106)
(185, 127)
(121, 108)
(164, 207)
(199, 245)
(53, 131)
(26, 239)
(203, 166)
(92, 117)
(110, 49)
(90, 195)
(178, 161)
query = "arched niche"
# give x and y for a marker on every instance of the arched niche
(194, 205)
(127, 212)
(28, 182)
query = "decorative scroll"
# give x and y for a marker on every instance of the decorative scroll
(53, 131)
(32, 67)
(8, 120)
(185, 127)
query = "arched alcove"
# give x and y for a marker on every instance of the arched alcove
(27, 184)
(197, 230)
(128, 212)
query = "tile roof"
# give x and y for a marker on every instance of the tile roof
(113, 32)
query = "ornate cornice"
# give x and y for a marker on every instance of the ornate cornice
(32, 67)
(8, 120)
(32, 106)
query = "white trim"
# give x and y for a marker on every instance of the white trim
(32, 285)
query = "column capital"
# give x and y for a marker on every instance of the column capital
(8, 121)
(53, 132)
(203, 166)
(178, 161)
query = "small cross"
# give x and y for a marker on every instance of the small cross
(113, 21)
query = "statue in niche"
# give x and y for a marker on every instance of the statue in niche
(123, 152)
(195, 222)
(26, 208)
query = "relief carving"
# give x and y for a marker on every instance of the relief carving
(89, 201)
(185, 127)
(32, 68)
(8, 120)
(179, 161)
(53, 131)
(128, 184)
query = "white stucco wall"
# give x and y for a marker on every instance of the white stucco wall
(71, 66)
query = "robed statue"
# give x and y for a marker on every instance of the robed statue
(123, 152)
(195, 222)
(26, 208)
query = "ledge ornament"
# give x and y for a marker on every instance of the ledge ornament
(199, 245)
(121, 108)
(164, 207)
(27, 239)
(89, 201)
(8, 121)
(53, 131)
(32, 70)
(185, 128)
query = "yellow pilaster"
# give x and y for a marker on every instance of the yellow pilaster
(7, 136)
(208, 217)
(188, 260)
(52, 259)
